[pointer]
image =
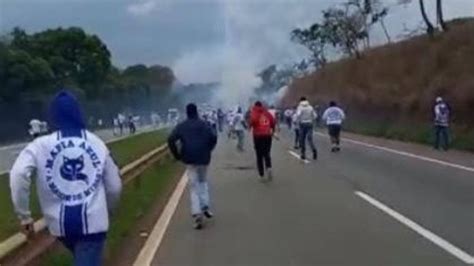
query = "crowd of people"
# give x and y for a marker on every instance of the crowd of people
(78, 183)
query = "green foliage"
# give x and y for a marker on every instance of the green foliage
(36, 65)
(343, 27)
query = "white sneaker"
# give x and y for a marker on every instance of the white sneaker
(269, 174)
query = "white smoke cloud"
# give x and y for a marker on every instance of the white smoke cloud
(142, 8)
(257, 34)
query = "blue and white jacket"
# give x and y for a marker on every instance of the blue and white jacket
(77, 181)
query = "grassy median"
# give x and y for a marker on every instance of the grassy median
(135, 202)
(123, 151)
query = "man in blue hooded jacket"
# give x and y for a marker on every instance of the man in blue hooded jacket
(196, 140)
(77, 182)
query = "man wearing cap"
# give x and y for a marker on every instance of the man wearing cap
(441, 124)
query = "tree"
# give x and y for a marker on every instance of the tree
(439, 12)
(314, 38)
(73, 55)
(429, 25)
(369, 12)
(344, 30)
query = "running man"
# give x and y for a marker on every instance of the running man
(306, 116)
(77, 183)
(35, 128)
(262, 125)
(334, 116)
(296, 129)
(239, 128)
(197, 141)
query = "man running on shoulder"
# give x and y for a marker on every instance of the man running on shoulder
(77, 182)
(196, 140)
(334, 116)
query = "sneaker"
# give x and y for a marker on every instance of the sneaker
(208, 214)
(303, 157)
(269, 174)
(198, 223)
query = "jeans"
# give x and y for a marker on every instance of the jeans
(297, 138)
(306, 133)
(441, 137)
(87, 250)
(240, 140)
(199, 189)
(263, 147)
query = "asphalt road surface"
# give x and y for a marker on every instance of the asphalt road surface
(364, 206)
(9, 153)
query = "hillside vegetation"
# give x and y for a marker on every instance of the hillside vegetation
(390, 91)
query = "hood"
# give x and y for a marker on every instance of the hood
(66, 115)
(258, 109)
(304, 104)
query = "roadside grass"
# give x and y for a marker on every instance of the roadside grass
(124, 151)
(134, 204)
(423, 133)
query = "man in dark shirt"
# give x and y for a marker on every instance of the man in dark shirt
(192, 142)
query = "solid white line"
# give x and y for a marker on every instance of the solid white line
(450, 248)
(297, 156)
(13, 146)
(154, 240)
(411, 155)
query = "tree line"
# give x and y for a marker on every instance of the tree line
(34, 66)
(347, 28)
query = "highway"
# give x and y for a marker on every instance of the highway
(376, 203)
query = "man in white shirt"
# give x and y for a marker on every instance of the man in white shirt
(441, 124)
(35, 128)
(77, 183)
(334, 116)
(306, 116)
(239, 128)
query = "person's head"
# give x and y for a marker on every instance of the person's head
(439, 99)
(302, 99)
(239, 110)
(258, 104)
(66, 115)
(191, 111)
(332, 103)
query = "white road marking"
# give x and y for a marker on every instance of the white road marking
(13, 146)
(297, 156)
(156, 237)
(448, 247)
(411, 155)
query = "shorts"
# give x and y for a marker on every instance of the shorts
(334, 131)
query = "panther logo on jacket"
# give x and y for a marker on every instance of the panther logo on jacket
(71, 169)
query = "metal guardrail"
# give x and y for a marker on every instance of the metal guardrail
(128, 173)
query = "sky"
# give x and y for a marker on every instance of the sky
(201, 39)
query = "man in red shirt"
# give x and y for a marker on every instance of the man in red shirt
(262, 124)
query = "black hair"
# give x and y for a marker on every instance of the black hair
(332, 103)
(302, 99)
(258, 103)
(191, 110)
